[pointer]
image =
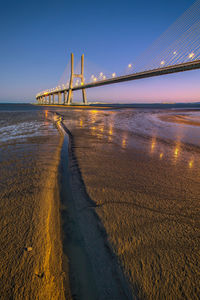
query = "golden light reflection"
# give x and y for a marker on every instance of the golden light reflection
(191, 163)
(93, 115)
(110, 131)
(81, 123)
(177, 150)
(153, 144)
(46, 114)
(161, 155)
(124, 143)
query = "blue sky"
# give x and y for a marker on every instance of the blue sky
(37, 38)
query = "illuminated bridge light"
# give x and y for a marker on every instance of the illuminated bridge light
(162, 62)
(95, 79)
(130, 65)
(191, 55)
(174, 52)
(101, 74)
(113, 75)
(104, 77)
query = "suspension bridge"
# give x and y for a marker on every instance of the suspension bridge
(177, 50)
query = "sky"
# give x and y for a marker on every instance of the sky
(37, 38)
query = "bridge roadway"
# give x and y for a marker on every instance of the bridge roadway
(134, 76)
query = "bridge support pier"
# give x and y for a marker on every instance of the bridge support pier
(81, 76)
(59, 98)
(65, 98)
(53, 98)
(49, 99)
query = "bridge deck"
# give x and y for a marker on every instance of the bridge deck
(134, 76)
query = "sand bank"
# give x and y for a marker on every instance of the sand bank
(31, 249)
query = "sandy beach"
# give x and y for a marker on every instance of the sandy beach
(31, 248)
(105, 205)
(146, 192)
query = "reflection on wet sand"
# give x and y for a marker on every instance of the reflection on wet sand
(103, 126)
(142, 175)
(153, 144)
(191, 163)
(81, 123)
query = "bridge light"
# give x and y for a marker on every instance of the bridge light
(191, 55)
(95, 79)
(101, 74)
(162, 62)
(104, 77)
(81, 83)
(174, 52)
(130, 65)
(113, 75)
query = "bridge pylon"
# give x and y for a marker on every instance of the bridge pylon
(81, 76)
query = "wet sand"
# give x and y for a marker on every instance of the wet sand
(129, 208)
(31, 248)
(181, 119)
(146, 193)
